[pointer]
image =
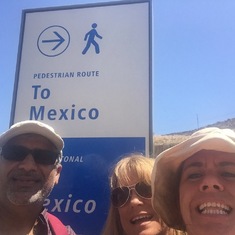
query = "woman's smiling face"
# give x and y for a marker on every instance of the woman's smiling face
(207, 193)
(137, 215)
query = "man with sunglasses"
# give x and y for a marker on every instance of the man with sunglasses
(30, 166)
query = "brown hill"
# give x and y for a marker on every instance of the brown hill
(163, 142)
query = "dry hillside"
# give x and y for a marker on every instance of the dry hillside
(163, 142)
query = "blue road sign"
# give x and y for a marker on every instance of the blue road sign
(90, 78)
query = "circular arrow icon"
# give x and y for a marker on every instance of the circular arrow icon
(53, 41)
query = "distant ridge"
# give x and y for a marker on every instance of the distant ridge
(163, 142)
(229, 123)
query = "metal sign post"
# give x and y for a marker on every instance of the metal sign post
(86, 70)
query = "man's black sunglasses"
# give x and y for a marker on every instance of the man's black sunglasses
(19, 153)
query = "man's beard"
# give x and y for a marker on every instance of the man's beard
(27, 198)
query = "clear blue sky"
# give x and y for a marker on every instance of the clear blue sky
(193, 60)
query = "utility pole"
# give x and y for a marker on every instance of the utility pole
(197, 122)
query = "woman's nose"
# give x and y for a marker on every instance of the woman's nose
(210, 184)
(134, 198)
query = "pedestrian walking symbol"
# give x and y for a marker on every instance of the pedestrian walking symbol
(90, 38)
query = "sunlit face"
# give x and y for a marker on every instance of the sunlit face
(138, 217)
(26, 182)
(207, 193)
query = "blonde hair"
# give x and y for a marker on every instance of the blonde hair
(136, 165)
(139, 166)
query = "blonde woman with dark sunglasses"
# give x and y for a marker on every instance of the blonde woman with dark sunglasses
(131, 211)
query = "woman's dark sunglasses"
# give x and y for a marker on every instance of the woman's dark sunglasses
(121, 195)
(19, 153)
